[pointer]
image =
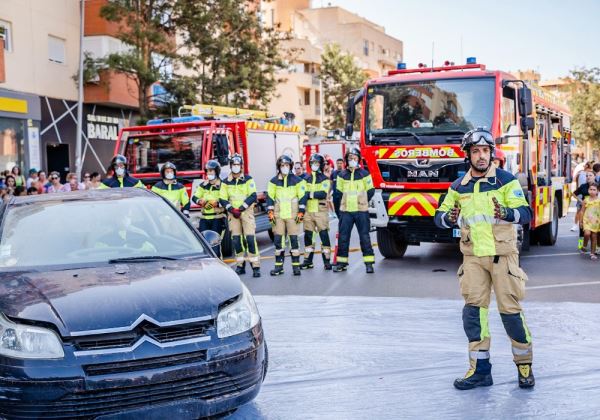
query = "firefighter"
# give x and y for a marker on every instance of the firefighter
(207, 197)
(485, 203)
(316, 218)
(171, 189)
(286, 201)
(356, 187)
(121, 177)
(238, 197)
(499, 159)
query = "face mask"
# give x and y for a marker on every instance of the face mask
(285, 170)
(353, 164)
(315, 167)
(120, 171)
(236, 169)
(169, 176)
(211, 177)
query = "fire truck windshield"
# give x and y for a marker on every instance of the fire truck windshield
(416, 112)
(147, 154)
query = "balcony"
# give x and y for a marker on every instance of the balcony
(94, 23)
(310, 112)
(113, 89)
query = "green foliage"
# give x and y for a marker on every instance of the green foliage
(339, 74)
(585, 105)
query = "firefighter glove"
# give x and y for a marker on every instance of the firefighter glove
(501, 212)
(300, 217)
(272, 217)
(236, 213)
(452, 215)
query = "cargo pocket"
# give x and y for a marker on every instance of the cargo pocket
(517, 279)
(505, 236)
(466, 245)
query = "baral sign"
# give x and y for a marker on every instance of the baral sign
(102, 127)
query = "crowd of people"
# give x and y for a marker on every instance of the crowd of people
(587, 218)
(14, 183)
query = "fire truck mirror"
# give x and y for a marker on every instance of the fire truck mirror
(350, 114)
(527, 123)
(518, 158)
(525, 101)
(501, 140)
(221, 148)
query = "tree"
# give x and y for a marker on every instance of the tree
(339, 74)
(233, 56)
(147, 30)
(585, 105)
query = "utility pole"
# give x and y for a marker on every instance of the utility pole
(78, 157)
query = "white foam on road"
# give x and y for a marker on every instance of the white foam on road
(396, 358)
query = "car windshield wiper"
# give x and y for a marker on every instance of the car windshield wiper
(141, 258)
(400, 133)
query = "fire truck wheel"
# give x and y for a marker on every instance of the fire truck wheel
(524, 238)
(548, 233)
(390, 246)
(226, 244)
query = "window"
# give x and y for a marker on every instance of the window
(508, 112)
(366, 47)
(307, 97)
(6, 33)
(56, 49)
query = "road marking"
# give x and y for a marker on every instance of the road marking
(553, 286)
(550, 255)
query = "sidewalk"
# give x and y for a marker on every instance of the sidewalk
(376, 358)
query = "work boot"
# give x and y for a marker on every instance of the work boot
(526, 379)
(480, 376)
(370, 269)
(255, 271)
(240, 269)
(326, 262)
(308, 262)
(339, 267)
(296, 265)
(277, 271)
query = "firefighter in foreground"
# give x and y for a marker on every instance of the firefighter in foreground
(485, 203)
(171, 189)
(121, 177)
(286, 201)
(207, 197)
(316, 218)
(238, 197)
(356, 187)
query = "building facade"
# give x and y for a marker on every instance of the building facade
(312, 29)
(38, 93)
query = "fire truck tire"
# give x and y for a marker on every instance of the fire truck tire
(390, 246)
(526, 238)
(226, 244)
(548, 233)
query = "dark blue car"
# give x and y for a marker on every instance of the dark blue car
(113, 305)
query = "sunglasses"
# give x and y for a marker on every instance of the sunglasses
(86, 176)
(54, 177)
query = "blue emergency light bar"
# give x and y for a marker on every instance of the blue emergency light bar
(191, 118)
(471, 60)
(401, 66)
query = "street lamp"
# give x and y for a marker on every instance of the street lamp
(78, 157)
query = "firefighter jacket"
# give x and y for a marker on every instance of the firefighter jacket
(174, 192)
(209, 193)
(117, 182)
(317, 189)
(286, 195)
(481, 234)
(239, 193)
(356, 187)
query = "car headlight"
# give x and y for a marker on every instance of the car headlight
(238, 317)
(28, 342)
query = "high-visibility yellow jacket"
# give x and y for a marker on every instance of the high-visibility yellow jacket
(121, 182)
(209, 192)
(317, 188)
(356, 187)
(481, 233)
(284, 193)
(174, 192)
(238, 192)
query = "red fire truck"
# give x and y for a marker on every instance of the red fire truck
(411, 125)
(210, 133)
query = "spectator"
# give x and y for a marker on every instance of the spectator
(42, 183)
(298, 169)
(3, 192)
(20, 191)
(10, 184)
(32, 191)
(581, 175)
(72, 183)
(33, 177)
(596, 169)
(19, 178)
(55, 185)
(591, 220)
(580, 195)
(95, 181)
(87, 180)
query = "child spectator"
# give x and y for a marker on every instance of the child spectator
(10, 184)
(20, 191)
(33, 177)
(32, 191)
(580, 194)
(591, 219)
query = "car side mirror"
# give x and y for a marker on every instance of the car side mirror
(213, 239)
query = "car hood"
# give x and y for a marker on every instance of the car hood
(119, 295)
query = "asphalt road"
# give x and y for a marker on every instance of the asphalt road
(556, 273)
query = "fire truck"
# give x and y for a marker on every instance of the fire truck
(411, 124)
(204, 132)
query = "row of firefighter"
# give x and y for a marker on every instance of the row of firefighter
(295, 201)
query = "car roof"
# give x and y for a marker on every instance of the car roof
(92, 195)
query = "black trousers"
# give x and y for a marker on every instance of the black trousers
(363, 224)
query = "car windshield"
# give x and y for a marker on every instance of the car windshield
(79, 232)
(149, 153)
(411, 113)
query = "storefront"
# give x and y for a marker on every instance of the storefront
(20, 119)
(101, 125)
